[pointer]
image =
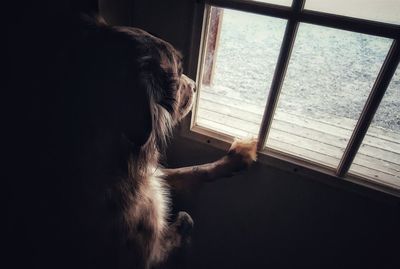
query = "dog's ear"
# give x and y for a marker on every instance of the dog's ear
(114, 76)
(135, 117)
(118, 104)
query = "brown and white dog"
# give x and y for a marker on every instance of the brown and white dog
(106, 126)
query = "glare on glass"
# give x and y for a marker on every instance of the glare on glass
(379, 155)
(242, 50)
(330, 75)
(376, 10)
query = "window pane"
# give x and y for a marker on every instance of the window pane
(379, 155)
(276, 2)
(239, 64)
(377, 10)
(329, 77)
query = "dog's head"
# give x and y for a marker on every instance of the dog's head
(139, 83)
(162, 73)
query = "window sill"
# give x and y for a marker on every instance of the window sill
(285, 162)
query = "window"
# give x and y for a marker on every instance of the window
(378, 158)
(327, 83)
(234, 86)
(315, 81)
(377, 10)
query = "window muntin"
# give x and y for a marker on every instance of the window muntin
(233, 101)
(329, 77)
(377, 10)
(379, 155)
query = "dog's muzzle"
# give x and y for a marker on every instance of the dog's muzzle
(187, 92)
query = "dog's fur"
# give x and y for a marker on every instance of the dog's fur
(100, 125)
(134, 92)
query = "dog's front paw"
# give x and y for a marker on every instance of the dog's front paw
(244, 151)
(242, 154)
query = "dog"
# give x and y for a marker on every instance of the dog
(115, 94)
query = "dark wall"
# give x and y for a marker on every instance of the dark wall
(268, 218)
(34, 35)
(169, 19)
(265, 218)
(117, 12)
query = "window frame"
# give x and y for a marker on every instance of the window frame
(295, 15)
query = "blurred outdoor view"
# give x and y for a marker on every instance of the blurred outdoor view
(329, 77)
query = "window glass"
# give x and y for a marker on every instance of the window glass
(377, 10)
(379, 155)
(329, 77)
(241, 54)
(276, 2)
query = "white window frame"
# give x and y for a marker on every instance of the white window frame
(295, 15)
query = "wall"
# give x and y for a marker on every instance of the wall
(152, 15)
(265, 217)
